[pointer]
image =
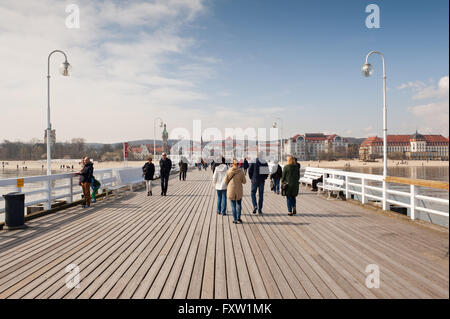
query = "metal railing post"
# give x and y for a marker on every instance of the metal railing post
(347, 195)
(48, 203)
(384, 203)
(413, 201)
(70, 198)
(363, 190)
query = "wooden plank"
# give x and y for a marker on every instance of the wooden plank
(196, 276)
(220, 278)
(171, 269)
(184, 283)
(177, 247)
(417, 182)
(207, 291)
(233, 288)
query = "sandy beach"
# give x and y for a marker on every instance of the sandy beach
(57, 164)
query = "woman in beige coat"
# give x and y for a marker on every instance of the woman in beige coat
(235, 179)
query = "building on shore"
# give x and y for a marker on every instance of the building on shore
(414, 147)
(311, 146)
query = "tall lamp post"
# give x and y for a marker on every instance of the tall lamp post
(275, 125)
(161, 123)
(65, 69)
(367, 71)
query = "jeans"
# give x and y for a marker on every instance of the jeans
(236, 206)
(182, 175)
(164, 182)
(291, 203)
(222, 201)
(276, 184)
(260, 188)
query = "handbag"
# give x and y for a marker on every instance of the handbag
(284, 187)
(272, 185)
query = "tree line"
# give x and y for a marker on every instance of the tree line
(76, 148)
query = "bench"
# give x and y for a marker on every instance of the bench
(126, 177)
(309, 176)
(331, 185)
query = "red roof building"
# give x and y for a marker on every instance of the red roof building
(415, 146)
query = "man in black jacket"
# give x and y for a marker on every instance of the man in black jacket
(258, 173)
(183, 168)
(165, 165)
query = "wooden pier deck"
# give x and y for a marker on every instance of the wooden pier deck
(136, 246)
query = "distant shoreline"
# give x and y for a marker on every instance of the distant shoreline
(379, 163)
(56, 164)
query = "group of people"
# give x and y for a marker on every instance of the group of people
(88, 181)
(228, 182)
(165, 166)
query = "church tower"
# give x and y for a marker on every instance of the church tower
(165, 137)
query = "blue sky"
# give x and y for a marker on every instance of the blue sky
(228, 63)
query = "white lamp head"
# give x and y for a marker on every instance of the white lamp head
(367, 70)
(65, 68)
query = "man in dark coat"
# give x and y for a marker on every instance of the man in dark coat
(245, 165)
(149, 171)
(183, 168)
(258, 173)
(165, 165)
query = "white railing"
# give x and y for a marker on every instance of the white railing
(368, 186)
(47, 188)
(51, 187)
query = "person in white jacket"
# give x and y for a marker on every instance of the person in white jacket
(220, 173)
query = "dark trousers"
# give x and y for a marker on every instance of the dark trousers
(182, 175)
(315, 181)
(260, 189)
(164, 183)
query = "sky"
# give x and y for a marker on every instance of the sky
(228, 63)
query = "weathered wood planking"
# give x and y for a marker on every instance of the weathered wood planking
(177, 246)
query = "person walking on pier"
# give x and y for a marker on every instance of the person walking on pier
(165, 165)
(245, 166)
(276, 177)
(235, 179)
(86, 174)
(290, 184)
(258, 173)
(183, 168)
(220, 173)
(149, 171)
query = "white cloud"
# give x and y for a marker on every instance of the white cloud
(124, 70)
(414, 85)
(433, 115)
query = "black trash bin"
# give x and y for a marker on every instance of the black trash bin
(14, 211)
